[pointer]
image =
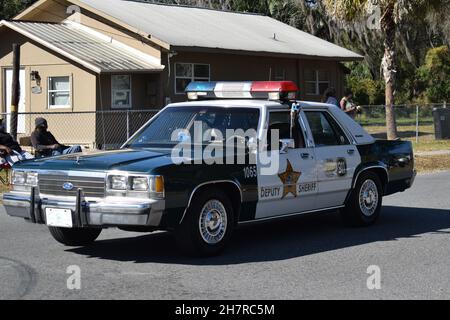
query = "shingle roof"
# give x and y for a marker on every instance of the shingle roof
(182, 26)
(85, 46)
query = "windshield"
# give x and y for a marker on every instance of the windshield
(177, 124)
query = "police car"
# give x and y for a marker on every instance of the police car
(238, 152)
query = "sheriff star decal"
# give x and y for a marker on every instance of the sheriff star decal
(289, 179)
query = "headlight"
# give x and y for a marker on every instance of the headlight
(32, 179)
(139, 183)
(23, 180)
(18, 178)
(136, 186)
(119, 183)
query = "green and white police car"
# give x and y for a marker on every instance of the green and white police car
(238, 152)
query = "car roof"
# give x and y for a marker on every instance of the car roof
(249, 103)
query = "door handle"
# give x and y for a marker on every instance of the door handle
(305, 155)
(351, 151)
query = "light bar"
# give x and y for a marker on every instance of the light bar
(272, 90)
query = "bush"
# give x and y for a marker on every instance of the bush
(434, 75)
(366, 91)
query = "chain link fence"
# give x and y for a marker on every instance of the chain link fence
(414, 122)
(93, 130)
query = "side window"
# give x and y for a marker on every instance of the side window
(325, 130)
(281, 121)
(121, 91)
(59, 92)
(185, 73)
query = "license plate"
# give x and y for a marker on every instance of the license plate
(59, 217)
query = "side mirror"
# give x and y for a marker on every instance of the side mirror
(286, 144)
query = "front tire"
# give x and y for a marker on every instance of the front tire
(364, 205)
(75, 237)
(207, 226)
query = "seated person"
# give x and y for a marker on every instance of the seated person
(46, 144)
(10, 150)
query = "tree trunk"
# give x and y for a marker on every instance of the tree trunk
(388, 65)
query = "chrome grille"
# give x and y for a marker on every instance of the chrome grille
(50, 184)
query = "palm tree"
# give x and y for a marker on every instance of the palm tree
(348, 11)
(393, 13)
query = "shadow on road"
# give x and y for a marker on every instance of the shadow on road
(278, 240)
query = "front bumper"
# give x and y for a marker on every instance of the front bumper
(108, 212)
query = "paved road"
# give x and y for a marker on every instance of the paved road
(312, 257)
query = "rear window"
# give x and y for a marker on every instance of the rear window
(325, 130)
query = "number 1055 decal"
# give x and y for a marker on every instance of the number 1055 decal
(250, 172)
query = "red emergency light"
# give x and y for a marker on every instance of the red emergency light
(276, 90)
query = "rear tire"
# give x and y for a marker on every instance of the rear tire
(364, 205)
(75, 237)
(207, 226)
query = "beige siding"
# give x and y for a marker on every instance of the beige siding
(127, 38)
(36, 58)
(56, 11)
(50, 11)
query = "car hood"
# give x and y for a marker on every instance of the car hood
(127, 160)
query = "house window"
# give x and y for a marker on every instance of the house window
(316, 82)
(59, 92)
(185, 73)
(279, 74)
(121, 91)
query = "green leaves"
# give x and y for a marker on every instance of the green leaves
(10, 8)
(435, 75)
(346, 10)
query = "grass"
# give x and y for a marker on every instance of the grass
(426, 142)
(4, 186)
(432, 163)
(431, 145)
(407, 132)
(400, 121)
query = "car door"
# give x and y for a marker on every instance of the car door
(336, 158)
(291, 187)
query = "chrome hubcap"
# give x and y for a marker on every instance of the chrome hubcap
(213, 222)
(368, 198)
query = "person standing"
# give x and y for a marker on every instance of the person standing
(46, 144)
(347, 104)
(329, 97)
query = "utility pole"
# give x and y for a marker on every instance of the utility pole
(15, 95)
